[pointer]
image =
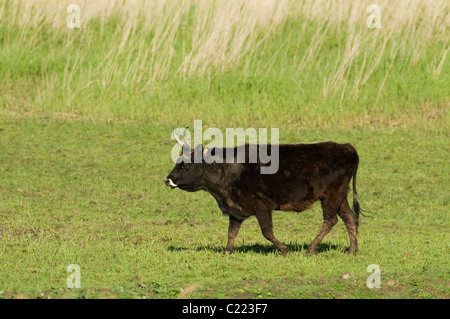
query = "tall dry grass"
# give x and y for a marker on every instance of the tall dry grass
(147, 42)
(222, 33)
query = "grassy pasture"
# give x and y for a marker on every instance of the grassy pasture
(93, 195)
(85, 122)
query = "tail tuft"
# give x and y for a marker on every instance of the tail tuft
(356, 207)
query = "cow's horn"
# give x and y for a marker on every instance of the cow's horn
(184, 136)
(175, 136)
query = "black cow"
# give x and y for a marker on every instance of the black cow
(306, 173)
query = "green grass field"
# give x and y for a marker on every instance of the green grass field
(86, 117)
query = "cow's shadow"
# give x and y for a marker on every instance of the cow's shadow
(264, 249)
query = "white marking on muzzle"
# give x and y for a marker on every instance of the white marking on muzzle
(171, 183)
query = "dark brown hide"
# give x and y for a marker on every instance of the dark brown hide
(306, 173)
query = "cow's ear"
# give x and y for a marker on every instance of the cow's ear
(209, 151)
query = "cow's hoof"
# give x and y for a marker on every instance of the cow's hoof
(284, 253)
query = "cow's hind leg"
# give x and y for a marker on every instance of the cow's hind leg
(329, 220)
(349, 219)
(266, 225)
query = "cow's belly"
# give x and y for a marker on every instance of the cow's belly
(294, 196)
(295, 206)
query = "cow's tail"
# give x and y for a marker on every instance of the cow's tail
(356, 207)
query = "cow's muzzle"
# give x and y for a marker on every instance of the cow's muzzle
(170, 183)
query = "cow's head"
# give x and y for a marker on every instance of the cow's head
(187, 174)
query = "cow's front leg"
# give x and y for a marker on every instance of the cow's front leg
(265, 223)
(233, 229)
